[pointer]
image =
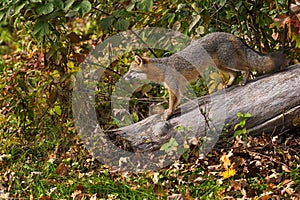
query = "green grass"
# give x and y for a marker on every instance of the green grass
(30, 169)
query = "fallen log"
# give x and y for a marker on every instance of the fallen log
(273, 101)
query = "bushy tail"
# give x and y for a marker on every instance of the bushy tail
(265, 63)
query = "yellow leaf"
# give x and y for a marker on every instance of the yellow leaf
(228, 173)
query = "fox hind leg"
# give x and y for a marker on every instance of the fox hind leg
(246, 75)
(226, 69)
(232, 75)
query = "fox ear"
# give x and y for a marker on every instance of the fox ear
(138, 59)
(141, 60)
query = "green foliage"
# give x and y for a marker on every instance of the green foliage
(240, 128)
(191, 18)
(169, 146)
(43, 15)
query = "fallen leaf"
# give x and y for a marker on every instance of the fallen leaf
(155, 177)
(290, 191)
(266, 196)
(44, 198)
(61, 170)
(3, 193)
(94, 197)
(187, 195)
(287, 182)
(175, 197)
(77, 194)
(228, 173)
(225, 159)
(285, 168)
(296, 121)
(235, 185)
(194, 141)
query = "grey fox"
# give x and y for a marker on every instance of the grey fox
(223, 50)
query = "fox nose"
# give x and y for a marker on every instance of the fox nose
(127, 77)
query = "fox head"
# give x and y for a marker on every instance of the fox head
(138, 69)
(145, 68)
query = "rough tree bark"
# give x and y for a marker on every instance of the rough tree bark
(272, 100)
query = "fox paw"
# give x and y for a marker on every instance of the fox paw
(167, 114)
(242, 83)
(226, 86)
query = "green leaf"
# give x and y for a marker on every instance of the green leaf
(122, 24)
(31, 114)
(170, 17)
(68, 4)
(41, 28)
(45, 9)
(169, 146)
(238, 5)
(53, 15)
(1, 15)
(106, 23)
(238, 133)
(121, 14)
(243, 123)
(57, 110)
(145, 5)
(130, 7)
(118, 122)
(239, 115)
(58, 3)
(247, 115)
(298, 41)
(146, 88)
(85, 7)
(18, 9)
(222, 2)
(236, 126)
(135, 117)
(72, 13)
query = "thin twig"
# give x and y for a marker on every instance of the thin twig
(285, 31)
(103, 12)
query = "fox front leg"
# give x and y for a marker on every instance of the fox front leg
(173, 102)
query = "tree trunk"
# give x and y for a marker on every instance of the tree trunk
(273, 101)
